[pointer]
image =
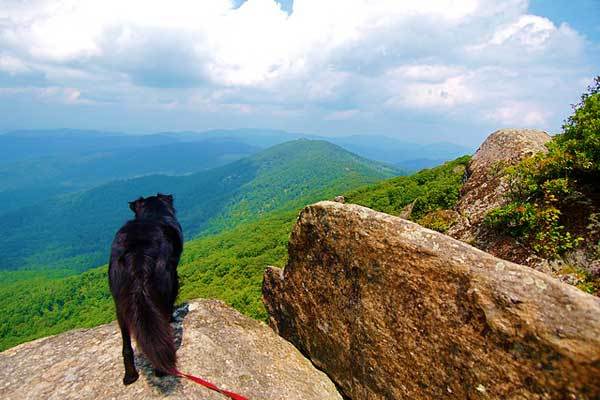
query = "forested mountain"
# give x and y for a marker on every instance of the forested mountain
(34, 144)
(29, 181)
(227, 265)
(255, 137)
(38, 164)
(74, 231)
(404, 154)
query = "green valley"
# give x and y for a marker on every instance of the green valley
(227, 265)
(74, 231)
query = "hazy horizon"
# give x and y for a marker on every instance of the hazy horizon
(224, 131)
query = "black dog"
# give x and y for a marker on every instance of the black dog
(142, 275)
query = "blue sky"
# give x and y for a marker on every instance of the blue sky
(582, 15)
(452, 70)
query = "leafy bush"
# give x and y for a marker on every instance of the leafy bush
(540, 225)
(581, 134)
(541, 187)
(439, 220)
(428, 190)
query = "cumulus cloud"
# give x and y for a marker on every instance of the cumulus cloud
(51, 94)
(467, 60)
(12, 65)
(520, 114)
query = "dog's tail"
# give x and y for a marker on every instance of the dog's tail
(148, 320)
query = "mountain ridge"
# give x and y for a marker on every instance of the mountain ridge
(227, 265)
(243, 189)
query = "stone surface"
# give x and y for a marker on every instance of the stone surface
(216, 343)
(391, 310)
(339, 199)
(485, 186)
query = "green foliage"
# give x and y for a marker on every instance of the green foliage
(584, 280)
(581, 133)
(41, 306)
(227, 265)
(74, 231)
(439, 220)
(538, 224)
(429, 190)
(543, 186)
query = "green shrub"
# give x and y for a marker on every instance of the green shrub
(581, 134)
(429, 190)
(439, 220)
(542, 185)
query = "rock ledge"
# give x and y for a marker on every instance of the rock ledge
(217, 343)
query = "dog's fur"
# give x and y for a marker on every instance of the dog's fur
(143, 280)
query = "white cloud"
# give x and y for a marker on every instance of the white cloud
(342, 115)
(424, 72)
(12, 65)
(51, 94)
(451, 92)
(483, 60)
(250, 45)
(530, 38)
(528, 30)
(520, 114)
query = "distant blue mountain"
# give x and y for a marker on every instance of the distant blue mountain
(19, 145)
(37, 164)
(407, 155)
(74, 230)
(30, 144)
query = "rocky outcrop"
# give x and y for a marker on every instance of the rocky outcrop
(391, 310)
(486, 186)
(216, 342)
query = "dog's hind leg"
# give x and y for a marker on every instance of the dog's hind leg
(131, 374)
(173, 293)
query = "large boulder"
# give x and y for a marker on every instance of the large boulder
(485, 187)
(391, 310)
(216, 343)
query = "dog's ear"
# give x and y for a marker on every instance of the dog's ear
(167, 197)
(136, 206)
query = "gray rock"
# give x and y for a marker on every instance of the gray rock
(339, 199)
(216, 342)
(391, 310)
(485, 187)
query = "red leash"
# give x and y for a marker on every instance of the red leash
(231, 395)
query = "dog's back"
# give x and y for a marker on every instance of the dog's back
(143, 280)
(143, 252)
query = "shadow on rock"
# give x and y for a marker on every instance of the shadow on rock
(165, 384)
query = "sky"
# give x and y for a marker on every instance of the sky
(432, 70)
